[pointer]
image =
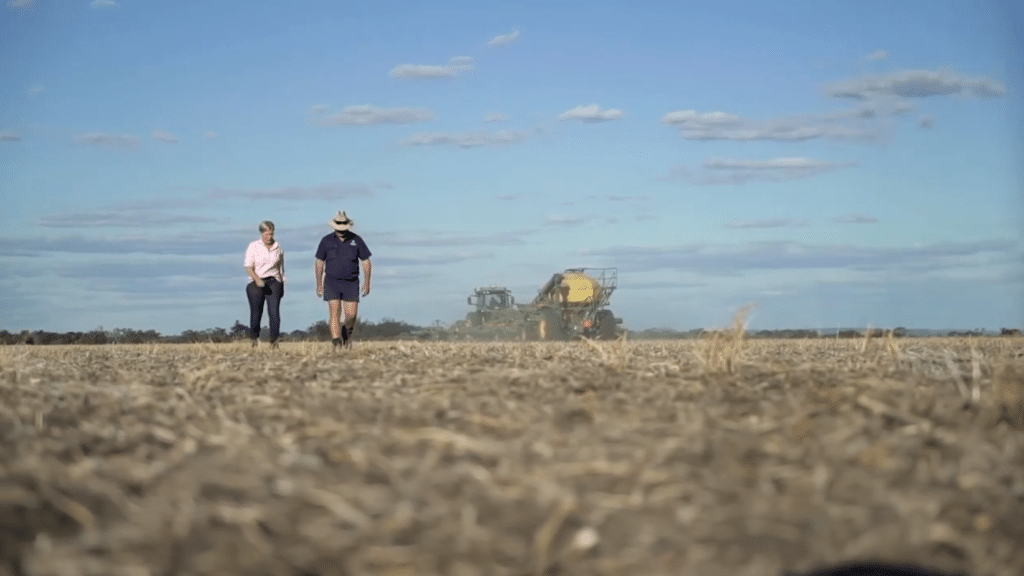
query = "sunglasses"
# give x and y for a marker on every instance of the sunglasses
(340, 223)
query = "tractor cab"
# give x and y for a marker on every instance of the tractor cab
(491, 298)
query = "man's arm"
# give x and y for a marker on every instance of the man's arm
(367, 271)
(318, 271)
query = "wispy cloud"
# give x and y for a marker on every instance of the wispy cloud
(166, 137)
(191, 243)
(577, 220)
(466, 140)
(436, 238)
(455, 67)
(854, 219)
(567, 221)
(319, 109)
(210, 135)
(618, 198)
(718, 171)
(877, 56)
(394, 261)
(21, 3)
(495, 118)
(37, 89)
(732, 259)
(519, 196)
(926, 121)
(504, 39)
(768, 223)
(108, 140)
(123, 219)
(590, 114)
(102, 4)
(916, 84)
(367, 115)
(9, 137)
(321, 192)
(718, 125)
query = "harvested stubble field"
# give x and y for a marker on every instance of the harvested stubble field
(716, 457)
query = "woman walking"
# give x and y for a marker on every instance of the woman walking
(264, 262)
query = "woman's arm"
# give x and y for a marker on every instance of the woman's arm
(251, 271)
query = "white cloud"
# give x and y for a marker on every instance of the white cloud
(925, 121)
(367, 115)
(102, 4)
(495, 118)
(454, 68)
(720, 171)
(9, 137)
(916, 84)
(37, 89)
(466, 140)
(877, 56)
(695, 120)
(773, 164)
(504, 39)
(21, 3)
(768, 223)
(165, 137)
(210, 135)
(854, 219)
(107, 140)
(590, 114)
(876, 107)
(318, 109)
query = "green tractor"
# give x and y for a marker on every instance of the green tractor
(495, 316)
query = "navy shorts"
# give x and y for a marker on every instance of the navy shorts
(344, 290)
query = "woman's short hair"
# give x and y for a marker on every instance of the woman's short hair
(266, 225)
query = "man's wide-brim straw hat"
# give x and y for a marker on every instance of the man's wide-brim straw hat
(341, 222)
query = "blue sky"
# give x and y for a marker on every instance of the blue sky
(838, 163)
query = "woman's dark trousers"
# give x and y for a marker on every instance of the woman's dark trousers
(271, 293)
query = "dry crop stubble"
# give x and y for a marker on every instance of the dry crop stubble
(721, 456)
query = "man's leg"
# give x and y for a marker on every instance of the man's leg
(256, 297)
(351, 309)
(274, 307)
(334, 311)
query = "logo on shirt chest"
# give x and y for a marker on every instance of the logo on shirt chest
(352, 243)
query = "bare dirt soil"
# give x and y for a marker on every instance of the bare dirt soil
(711, 457)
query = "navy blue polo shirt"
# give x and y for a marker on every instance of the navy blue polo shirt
(342, 255)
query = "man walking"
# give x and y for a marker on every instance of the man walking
(338, 259)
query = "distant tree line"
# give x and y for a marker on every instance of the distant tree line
(391, 329)
(900, 332)
(386, 329)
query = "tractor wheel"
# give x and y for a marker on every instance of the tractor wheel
(606, 325)
(530, 332)
(550, 326)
